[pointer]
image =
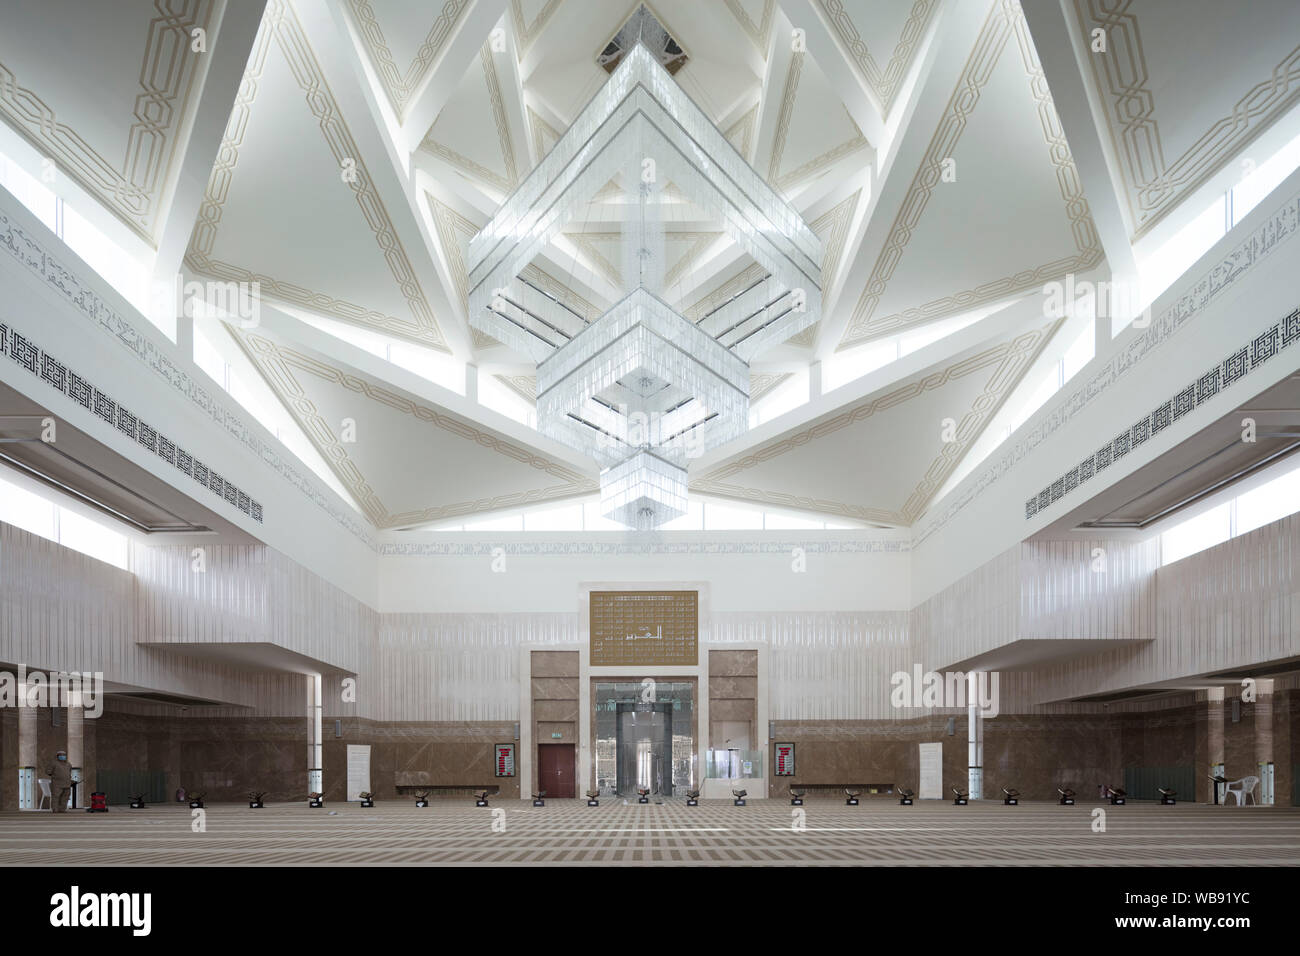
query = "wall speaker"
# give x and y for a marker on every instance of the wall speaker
(952, 726)
(338, 728)
(516, 731)
(1236, 710)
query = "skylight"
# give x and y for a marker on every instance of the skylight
(437, 367)
(230, 370)
(1166, 265)
(844, 367)
(40, 515)
(700, 515)
(114, 265)
(1276, 498)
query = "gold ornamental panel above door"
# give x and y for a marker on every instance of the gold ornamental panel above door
(645, 628)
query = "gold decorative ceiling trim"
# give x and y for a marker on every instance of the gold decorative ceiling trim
(1006, 20)
(451, 226)
(759, 32)
(481, 340)
(525, 386)
(884, 84)
(740, 134)
(1152, 185)
(586, 241)
(280, 21)
(505, 143)
(553, 286)
(130, 190)
(809, 169)
(807, 338)
(832, 228)
(760, 383)
(780, 499)
(1006, 362)
(725, 290)
(278, 364)
(399, 86)
(541, 129)
(516, 499)
(687, 261)
(527, 33)
(1019, 356)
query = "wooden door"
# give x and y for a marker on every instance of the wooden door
(555, 769)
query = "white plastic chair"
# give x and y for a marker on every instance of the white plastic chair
(45, 793)
(1245, 787)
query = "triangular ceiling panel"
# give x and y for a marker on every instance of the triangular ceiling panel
(835, 464)
(881, 39)
(404, 41)
(474, 119)
(1000, 126)
(451, 466)
(120, 134)
(279, 178)
(814, 131)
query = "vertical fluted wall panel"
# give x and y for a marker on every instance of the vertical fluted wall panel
(1228, 607)
(458, 666)
(976, 614)
(825, 665)
(1084, 589)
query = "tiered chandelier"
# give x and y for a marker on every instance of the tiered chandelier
(643, 389)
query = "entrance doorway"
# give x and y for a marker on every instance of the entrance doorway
(555, 770)
(645, 747)
(644, 736)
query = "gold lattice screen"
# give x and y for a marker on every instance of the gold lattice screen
(645, 628)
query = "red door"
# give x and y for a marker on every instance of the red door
(555, 769)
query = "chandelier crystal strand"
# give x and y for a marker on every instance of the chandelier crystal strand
(642, 390)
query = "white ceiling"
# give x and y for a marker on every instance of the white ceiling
(441, 107)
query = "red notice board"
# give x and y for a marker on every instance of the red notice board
(785, 760)
(505, 760)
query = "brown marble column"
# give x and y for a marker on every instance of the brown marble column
(76, 748)
(1213, 740)
(27, 756)
(1264, 740)
(315, 773)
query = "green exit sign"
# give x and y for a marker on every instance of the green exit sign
(556, 736)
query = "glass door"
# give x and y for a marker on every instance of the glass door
(645, 736)
(645, 733)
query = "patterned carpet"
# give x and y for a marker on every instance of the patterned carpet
(567, 832)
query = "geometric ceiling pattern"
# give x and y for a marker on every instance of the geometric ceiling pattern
(977, 132)
(393, 451)
(342, 154)
(124, 144)
(1158, 77)
(829, 465)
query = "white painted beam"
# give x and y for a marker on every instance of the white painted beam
(228, 52)
(957, 28)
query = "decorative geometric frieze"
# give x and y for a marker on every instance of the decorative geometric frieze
(25, 353)
(1232, 369)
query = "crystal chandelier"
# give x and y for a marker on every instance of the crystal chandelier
(642, 389)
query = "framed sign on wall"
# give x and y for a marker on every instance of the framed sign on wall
(505, 760)
(645, 628)
(785, 760)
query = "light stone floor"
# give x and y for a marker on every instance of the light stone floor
(567, 832)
